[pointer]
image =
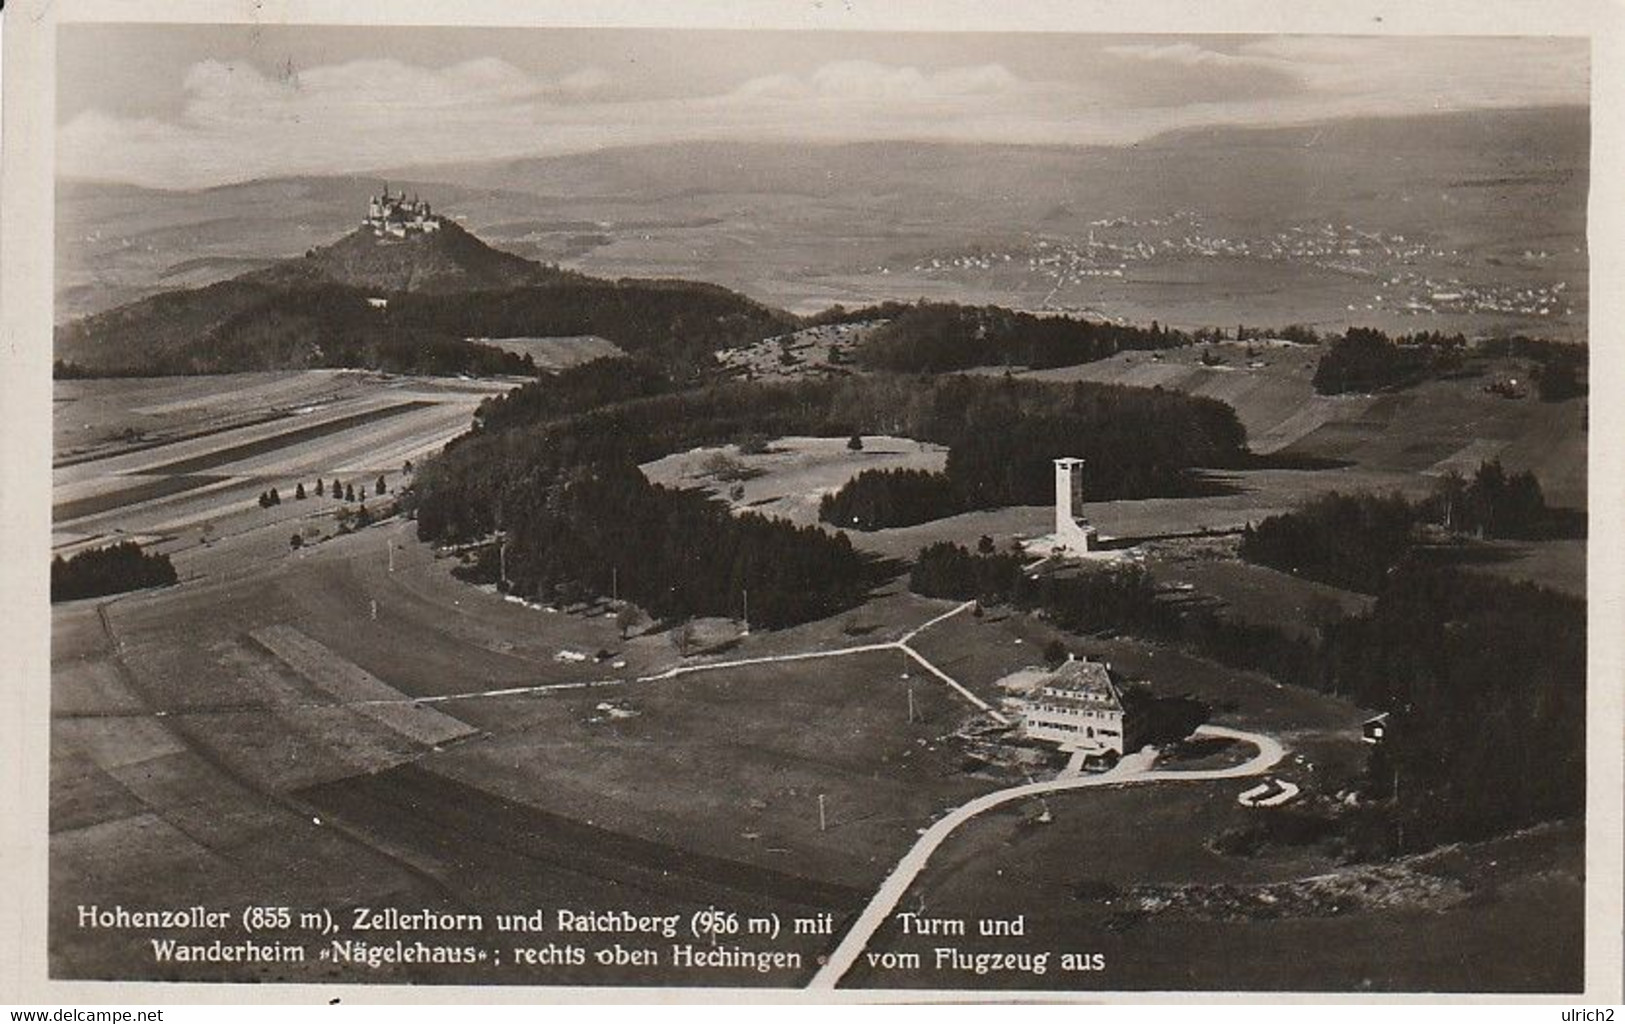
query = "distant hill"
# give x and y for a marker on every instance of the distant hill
(1501, 194)
(407, 304)
(1243, 176)
(119, 243)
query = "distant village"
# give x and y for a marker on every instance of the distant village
(1344, 248)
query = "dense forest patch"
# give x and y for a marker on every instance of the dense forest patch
(1365, 360)
(936, 337)
(111, 570)
(1354, 540)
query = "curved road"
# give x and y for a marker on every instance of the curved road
(1132, 770)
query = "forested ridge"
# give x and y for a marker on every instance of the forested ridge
(534, 445)
(1354, 540)
(237, 326)
(1366, 360)
(598, 529)
(677, 323)
(1001, 434)
(934, 337)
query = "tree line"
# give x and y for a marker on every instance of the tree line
(1365, 360)
(1344, 540)
(575, 389)
(603, 530)
(1561, 368)
(96, 572)
(232, 327)
(677, 324)
(642, 418)
(879, 498)
(241, 325)
(937, 337)
(1354, 540)
(1002, 445)
(1484, 681)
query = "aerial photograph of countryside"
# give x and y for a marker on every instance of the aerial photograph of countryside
(986, 512)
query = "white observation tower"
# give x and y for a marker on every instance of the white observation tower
(1072, 531)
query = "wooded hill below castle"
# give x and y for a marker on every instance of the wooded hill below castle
(406, 302)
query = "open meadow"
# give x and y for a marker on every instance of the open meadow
(276, 703)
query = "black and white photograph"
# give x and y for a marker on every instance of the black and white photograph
(898, 510)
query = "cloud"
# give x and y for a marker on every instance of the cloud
(1172, 74)
(239, 120)
(220, 93)
(1185, 54)
(585, 82)
(869, 81)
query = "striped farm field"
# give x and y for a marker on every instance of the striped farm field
(197, 453)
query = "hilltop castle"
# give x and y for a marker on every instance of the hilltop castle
(396, 216)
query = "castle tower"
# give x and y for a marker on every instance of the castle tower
(393, 215)
(1072, 531)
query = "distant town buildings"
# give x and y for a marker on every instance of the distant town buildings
(1118, 247)
(397, 216)
(1079, 707)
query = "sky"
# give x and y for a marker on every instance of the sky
(194, 106)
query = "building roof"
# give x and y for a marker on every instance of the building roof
(1083, 680)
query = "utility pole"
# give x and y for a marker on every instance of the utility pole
(821, 821)
(1399, 813)
(614, 583)
(502, 558)
(911, 701)
(391, 556)
(746, 591)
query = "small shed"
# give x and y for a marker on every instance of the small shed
(1375, 729)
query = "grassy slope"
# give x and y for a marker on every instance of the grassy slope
(1420, 431)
